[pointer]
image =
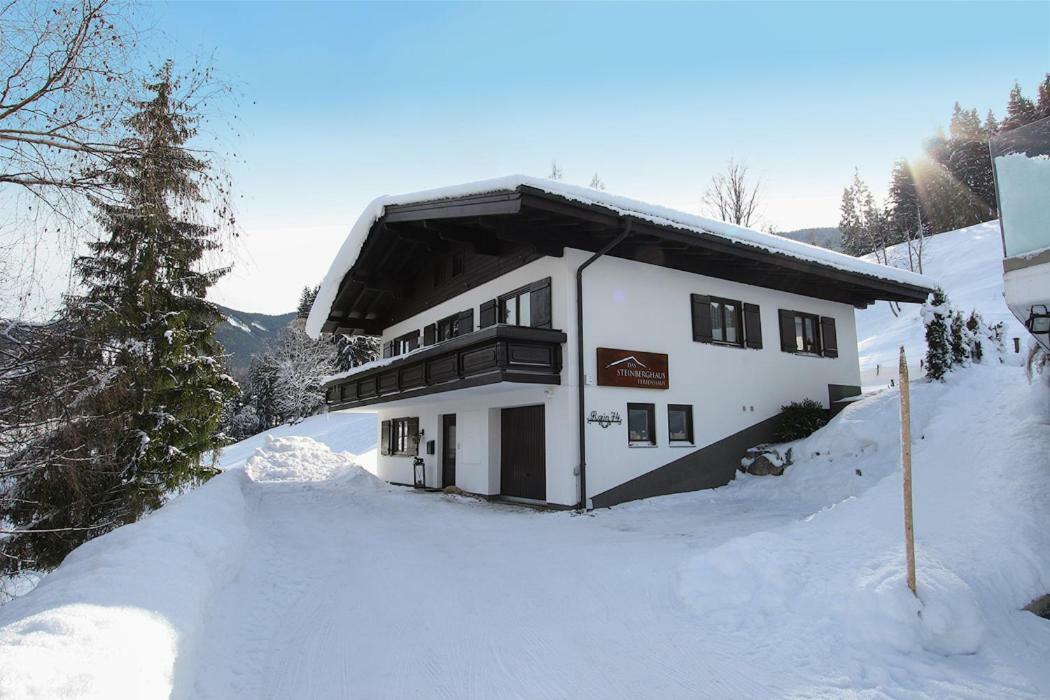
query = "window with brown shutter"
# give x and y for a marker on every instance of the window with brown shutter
(828, 336)
(384, 438)
(752, 326)
(487, 314)
(800, 332)
(527, 306)
(720, 321)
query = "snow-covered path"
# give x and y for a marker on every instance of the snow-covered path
(299, 575)
(401, 594)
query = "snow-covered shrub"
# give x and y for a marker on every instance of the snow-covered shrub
(959, 342)
(975, 328)
(799, 419)
(935, 314)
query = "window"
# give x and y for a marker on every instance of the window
(726, 321)
(680, 423)
(400, 436)
(406, 343)
(808, 334)
(641, 424)
(527, 306)
(455, 325)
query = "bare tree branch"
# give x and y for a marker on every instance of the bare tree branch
(732, 197)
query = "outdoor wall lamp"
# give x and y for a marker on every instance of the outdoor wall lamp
(1038, 322)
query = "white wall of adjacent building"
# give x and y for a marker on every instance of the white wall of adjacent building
(632, 306)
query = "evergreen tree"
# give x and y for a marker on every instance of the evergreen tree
(306, 301)
(958, 340)
(144, 332)
(851, 218)
(1043, 101)
(907, 221)
(145, 297)
(976, 328)
(1019, 110)
(991, 124)
(935, 314)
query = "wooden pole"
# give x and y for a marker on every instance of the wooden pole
(909, 530)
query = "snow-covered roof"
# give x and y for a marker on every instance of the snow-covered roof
(624, 206)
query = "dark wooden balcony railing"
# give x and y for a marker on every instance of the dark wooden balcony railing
(487, 356)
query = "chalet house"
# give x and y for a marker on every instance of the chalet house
(561, 345)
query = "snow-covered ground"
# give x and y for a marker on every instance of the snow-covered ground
(303, 576)
(968, 264)
(297, 574)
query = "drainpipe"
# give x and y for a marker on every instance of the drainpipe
(624, 233)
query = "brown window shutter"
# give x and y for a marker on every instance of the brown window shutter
(429, 334)
(829, 338)
(384, 438)
(388, 349)
(540, 304)
(787, 331)
(701, 317)
(752, 326)
(413, 341)
(413, 435)
(466, 322)
(487, 314)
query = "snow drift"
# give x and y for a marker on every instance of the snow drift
(121, 618)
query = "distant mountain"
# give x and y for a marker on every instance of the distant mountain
(827, 237)
(246, 334)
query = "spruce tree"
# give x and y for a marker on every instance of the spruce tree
(957, 337)
(991, 124)
(306, 301)
(935, 314)
(1019, 110)
(138, 390)
(975, 327)
(145, 297)
(907, 221)
(1043, 101)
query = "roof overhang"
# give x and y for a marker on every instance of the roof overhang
(402, 236)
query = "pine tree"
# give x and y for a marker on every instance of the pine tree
(306, 301)
(957, 337)
(144, 333)
(145, 297)
(975, 327)
(1043, 99)
(1019, 110)
(906, 218)
(935, 314)
(991, 124)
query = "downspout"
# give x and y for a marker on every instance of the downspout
(582, 418)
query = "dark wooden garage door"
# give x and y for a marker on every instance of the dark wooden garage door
(523, 462)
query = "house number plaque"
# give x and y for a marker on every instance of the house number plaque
(605, 419)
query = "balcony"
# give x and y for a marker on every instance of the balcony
(487, 356)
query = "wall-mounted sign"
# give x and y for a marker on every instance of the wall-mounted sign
(632, 368)
(605, 419)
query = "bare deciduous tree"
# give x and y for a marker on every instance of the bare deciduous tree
(732, 197)
(64, 85)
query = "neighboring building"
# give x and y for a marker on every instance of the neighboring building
(1021, 158)
(695, 333)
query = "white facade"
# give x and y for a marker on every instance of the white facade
(634, 306)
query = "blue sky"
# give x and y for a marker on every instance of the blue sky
(339, 103)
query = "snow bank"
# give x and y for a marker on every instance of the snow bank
(120, 617)
(968, 265)
(303, 459)
(833, 583)
(656, 214)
